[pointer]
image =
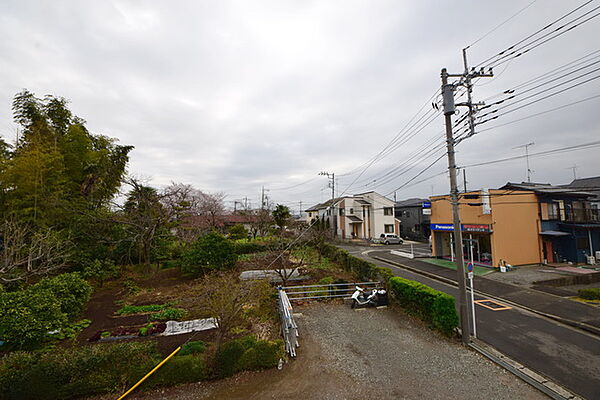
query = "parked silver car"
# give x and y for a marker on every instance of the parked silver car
(389, 238)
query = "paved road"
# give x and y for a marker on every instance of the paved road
(563, 354)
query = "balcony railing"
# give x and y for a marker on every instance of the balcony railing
(576, 215)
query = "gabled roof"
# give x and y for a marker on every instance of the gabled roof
(547, 189)
(591, 185)
(326, 204)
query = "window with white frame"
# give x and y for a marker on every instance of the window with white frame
(388, 211)
(388, 228)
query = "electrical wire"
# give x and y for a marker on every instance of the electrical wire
(540, 113)
(501, 24)
(508, 49)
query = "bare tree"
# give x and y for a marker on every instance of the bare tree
(224, 297)
(26, 253)
(261, 221)
(212, 208)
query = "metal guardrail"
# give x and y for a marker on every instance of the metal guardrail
(289, 329)
(326, 291)
(287, 294)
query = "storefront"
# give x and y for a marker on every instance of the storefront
(477, 242)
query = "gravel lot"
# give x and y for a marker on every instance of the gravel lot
(369, 353)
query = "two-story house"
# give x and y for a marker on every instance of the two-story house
(362, 216)
(414, 215)
(519, 224)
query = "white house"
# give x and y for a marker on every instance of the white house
(365, 216)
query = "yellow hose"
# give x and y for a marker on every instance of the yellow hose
(149, 373)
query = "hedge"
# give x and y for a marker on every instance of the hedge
(429, 304)
(589, 293)
(247, 354)
(361, 268)
(65, 373)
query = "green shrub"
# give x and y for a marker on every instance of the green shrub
(131, 287)
(68, 373)
(237, 232)
(247, 353)
(227, 357)
(245, 247)
(364, 270)
(194, 347)
(589, 293)
(264, 354)
(27, 315)
(101, 270)
(184, 369)
(72, 291)
(211, 251)
(429, 304)
(71, 330)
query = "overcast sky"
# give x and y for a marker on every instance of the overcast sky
(233, 95)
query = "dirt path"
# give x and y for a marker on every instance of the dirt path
(382, 354)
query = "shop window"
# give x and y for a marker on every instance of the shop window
(388, 211)
(388, 228)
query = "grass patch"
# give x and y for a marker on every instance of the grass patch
(131, 309)
(450, 265)
(168, 314)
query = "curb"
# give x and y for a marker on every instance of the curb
(580, 325)
(546, 386)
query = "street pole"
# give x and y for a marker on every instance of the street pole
(449, 109)
(465, 179)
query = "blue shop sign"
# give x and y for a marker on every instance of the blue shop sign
(441, 227)
(426, 204)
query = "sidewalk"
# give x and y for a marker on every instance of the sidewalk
(563, 310)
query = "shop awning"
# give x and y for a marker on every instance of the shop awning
(554, 233)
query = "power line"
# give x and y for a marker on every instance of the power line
(506, 51)
(541, 153)
(540, 113)
(548, 74)
(501, 24)
(502, 61)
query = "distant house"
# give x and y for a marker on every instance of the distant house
(362, 216)
(415, 217)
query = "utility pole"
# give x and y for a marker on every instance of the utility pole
(331, 183)
(449, 109)
(300, 208)
(574, 168)
(526, 147)
(264, 202)
(465, 179)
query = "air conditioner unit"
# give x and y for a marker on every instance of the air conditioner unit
(598, 255)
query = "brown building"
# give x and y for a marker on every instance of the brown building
(518, 224)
